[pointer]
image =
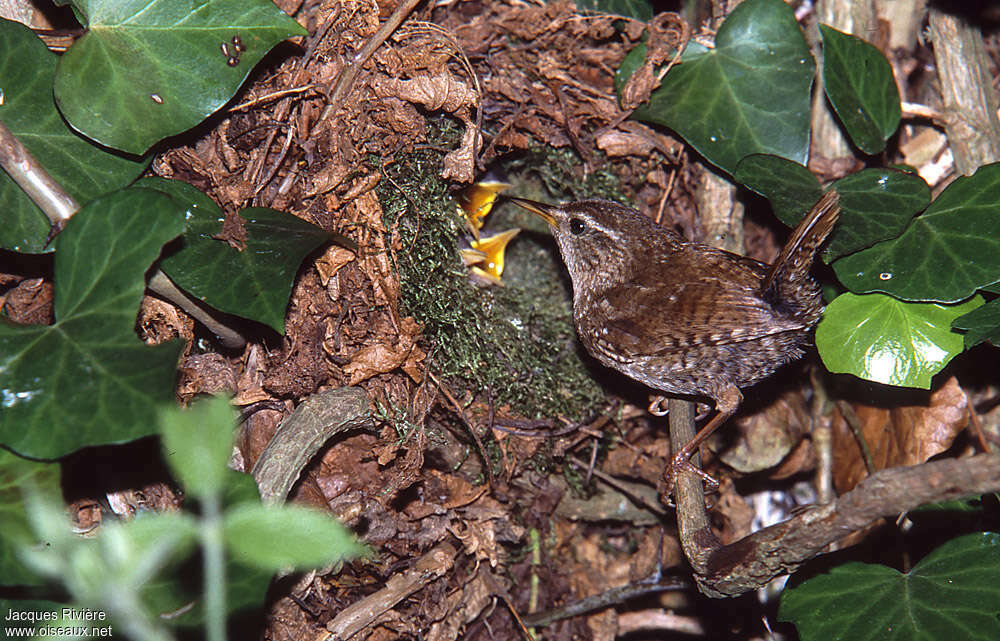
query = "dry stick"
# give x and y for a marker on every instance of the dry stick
(468, 424)
(606, 599)
(41, 188)
(59, 206)
(852, 420)
(360, 614)
(689, 494)
(351, 71)
(622, 487)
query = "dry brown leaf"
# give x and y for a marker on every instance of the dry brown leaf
(479, 538)
(440, 92)
(460, 163)
(331, 261)
(615, 142)
(765, 438)
(905, 435)
(465, 606)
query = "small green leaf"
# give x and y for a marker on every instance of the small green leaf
(87, 379)
(876, 204)
(750, 94)
(198, 442)
(641, 10)
(154, 68)
(789, 186)
(85, 171)
(255, 283)
(17, 474)
(951, 594)
(945, 254)
(861, 88)
(288, 535)
(982, 324)
(886, 340)
(973, 505)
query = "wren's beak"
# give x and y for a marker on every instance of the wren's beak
(541, 209)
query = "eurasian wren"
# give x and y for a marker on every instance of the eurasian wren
(683, 317)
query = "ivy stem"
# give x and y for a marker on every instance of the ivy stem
(30, 176)
(58, 206)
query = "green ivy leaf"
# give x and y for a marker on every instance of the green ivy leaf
(945, 254)
(87, 379)
(198, 442)
(980, 325)
(639, 9)
(84, 170)
(886, 340)
(861, 88)
(972, 505)
(274, 537)
(750, 94)
(876, 204)
(789, 186)
(950, 594)
(16, 474)
(255, 283)
(150, 69)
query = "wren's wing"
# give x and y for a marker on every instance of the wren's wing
(718, 303)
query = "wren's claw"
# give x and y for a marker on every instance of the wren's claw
(678, 463)
(658, 405)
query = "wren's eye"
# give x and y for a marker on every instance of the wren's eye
(576, 226)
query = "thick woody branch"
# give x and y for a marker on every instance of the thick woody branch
(751, 562)
(970, 102)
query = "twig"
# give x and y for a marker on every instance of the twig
(606, 599)
(314, 422)
(359, 614)
(468, 424)
(161, 285)
(855, 424)
(37, 183)
(273, 96)
(351, 71)
(622, 488)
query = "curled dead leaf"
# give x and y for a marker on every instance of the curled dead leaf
(382, 357)
(460, 164)
(904, 435)
(331, 261)
(439, 92)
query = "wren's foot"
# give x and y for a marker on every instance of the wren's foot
(680, 462)
(658, 405)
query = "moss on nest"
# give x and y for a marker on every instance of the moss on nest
(515, 343)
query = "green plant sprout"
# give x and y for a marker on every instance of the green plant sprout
(130, 570)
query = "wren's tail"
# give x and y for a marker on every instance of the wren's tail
(787, 281)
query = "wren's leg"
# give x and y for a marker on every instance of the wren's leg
(726, 403)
